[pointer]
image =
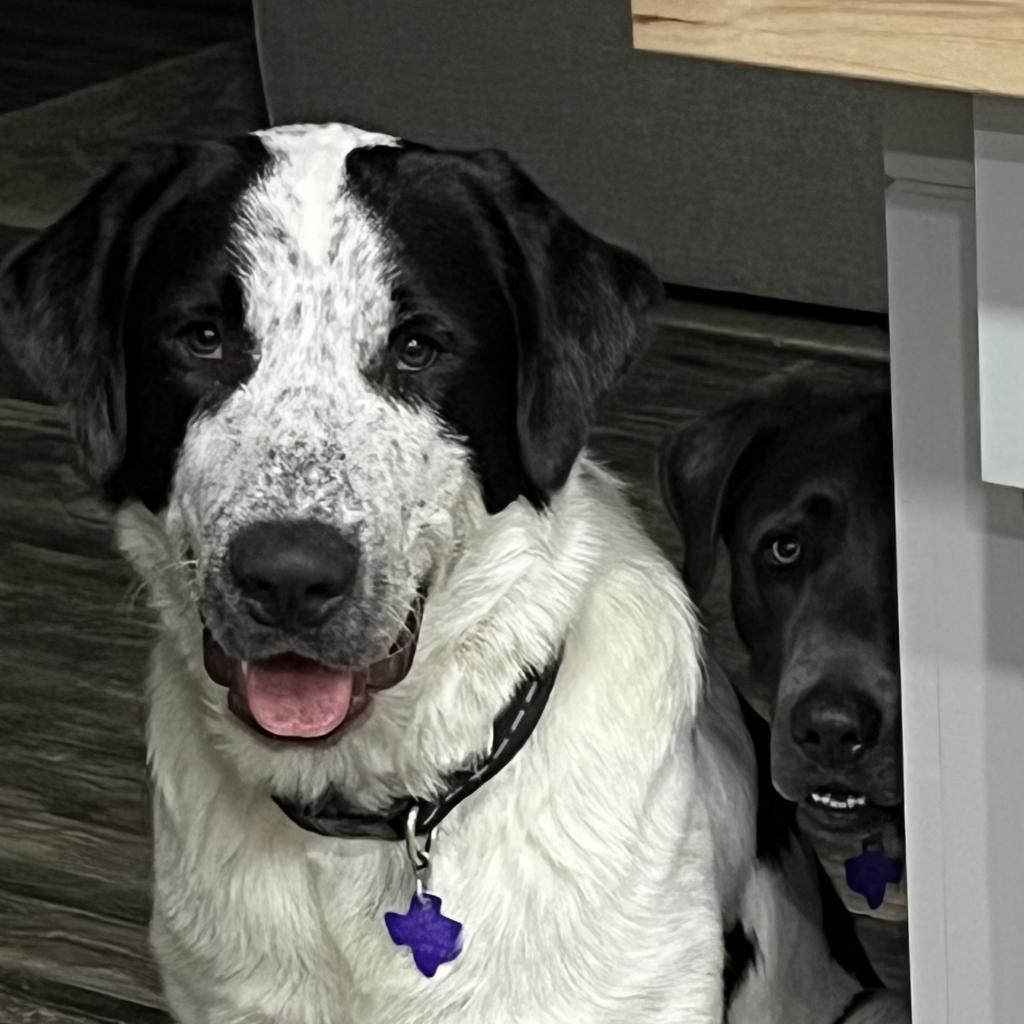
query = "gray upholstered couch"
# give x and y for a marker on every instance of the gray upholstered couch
(730, 178)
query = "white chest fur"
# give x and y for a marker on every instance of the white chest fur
(556, 929)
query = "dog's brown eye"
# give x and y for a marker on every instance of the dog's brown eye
(416, 353)
(202, 340)
(784, 552)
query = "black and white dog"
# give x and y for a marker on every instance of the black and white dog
(339, 388)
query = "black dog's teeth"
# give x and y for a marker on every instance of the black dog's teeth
(838, 801)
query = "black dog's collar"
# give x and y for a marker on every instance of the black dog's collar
(333, 815)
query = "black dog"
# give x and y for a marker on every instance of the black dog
(797, 481)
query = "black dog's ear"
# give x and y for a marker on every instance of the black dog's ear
(704, 465)
(580, 308)
(696, 466)
(61, 298)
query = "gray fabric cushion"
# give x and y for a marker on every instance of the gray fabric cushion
(727, 177)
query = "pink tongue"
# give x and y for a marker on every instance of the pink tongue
(292, 697)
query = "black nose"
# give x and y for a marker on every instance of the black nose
(835, 725)
(293, 574)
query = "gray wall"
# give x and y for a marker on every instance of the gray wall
(726, 177)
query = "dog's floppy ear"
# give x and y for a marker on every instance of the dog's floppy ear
(697, 464)
(703, 465)
(580, 308)
(61, 299)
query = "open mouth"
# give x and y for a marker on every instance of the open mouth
(837, 801)
(837, 809)
(290, 697)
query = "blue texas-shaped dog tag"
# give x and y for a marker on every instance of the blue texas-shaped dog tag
(433, 938)
(869, 874)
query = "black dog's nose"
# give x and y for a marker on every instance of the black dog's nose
(292, 572)
(835, 725)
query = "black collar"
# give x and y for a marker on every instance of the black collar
(332, 815)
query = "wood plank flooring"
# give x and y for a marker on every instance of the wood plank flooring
(74, 846)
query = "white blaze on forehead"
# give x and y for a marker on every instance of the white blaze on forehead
(316, 275)
(309, 166)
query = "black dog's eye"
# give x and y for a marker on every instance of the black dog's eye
(784, 552)
(416, 352)
(202, 340)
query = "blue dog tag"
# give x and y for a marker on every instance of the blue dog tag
(869, 874)
(433, 938)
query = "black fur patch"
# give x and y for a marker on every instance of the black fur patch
(186, 273)
(91, 307)
(776, 817)
(740, 959)
(452, 283)
(534, 316)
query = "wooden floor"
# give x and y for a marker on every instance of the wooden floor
(74, 842)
